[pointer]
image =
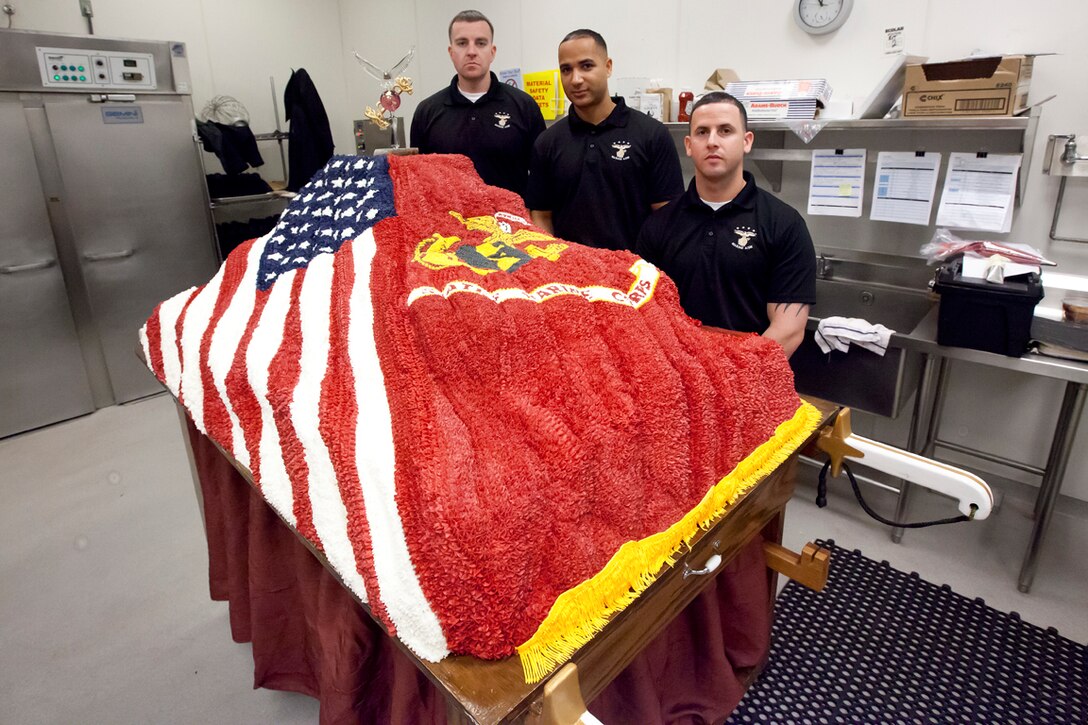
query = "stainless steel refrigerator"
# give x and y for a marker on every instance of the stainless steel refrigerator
(103, 214)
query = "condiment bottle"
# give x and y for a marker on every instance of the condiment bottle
(686, 100)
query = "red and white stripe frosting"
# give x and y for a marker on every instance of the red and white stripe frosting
(464, 455)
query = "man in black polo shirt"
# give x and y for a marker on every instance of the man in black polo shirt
(492, 123)
(741, 258)
(598, 173)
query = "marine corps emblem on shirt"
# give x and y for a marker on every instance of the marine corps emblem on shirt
(744, 237)
(621, 150)
(501, 120)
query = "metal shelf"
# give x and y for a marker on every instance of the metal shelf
(776, 143)
(276, 135)
(981, 123)
(252, 198)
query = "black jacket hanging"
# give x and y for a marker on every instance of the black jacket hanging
(235, 146)
(309, 145)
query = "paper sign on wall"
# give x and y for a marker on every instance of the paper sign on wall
(543, 86)
(511, 77)
(978, 192)
(837, 182)
(905, 184)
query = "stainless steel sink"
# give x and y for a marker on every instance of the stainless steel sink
(894, 307)
(859, 378)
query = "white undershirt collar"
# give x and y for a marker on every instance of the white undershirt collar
(472, 97)
(715, 205)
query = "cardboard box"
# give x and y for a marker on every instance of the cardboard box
(816, 89)
(650, 104)
(719, 78)
(784, 99)
(996, 86)
(666, 104)
(804, 109)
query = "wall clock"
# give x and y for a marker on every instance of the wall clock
(818, 17)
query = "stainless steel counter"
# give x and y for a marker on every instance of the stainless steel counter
(923, 339)
(925, 424)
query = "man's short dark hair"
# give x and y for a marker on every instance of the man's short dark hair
(587, 33)
(470, 16)
(720, 97)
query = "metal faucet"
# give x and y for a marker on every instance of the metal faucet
(1070, 155)
(823, 266)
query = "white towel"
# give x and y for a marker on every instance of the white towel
(837, 333)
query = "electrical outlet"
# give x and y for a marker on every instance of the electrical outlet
(360, 136)
(86, 8)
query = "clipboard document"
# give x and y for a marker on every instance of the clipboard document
(905, 184)
(978, 192)
(837, 183)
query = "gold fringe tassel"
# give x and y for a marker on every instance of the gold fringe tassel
(582, 611)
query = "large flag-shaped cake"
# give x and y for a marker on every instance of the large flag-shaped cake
(496, 438)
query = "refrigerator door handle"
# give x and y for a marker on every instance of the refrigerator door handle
(30, 267)
(107, 256)
(112, 98)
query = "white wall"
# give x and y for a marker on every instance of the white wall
(236, 44)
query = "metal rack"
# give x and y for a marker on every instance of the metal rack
(1062, 159)
(255, 206)
(777, 143)
(279, 136)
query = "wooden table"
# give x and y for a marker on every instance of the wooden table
(484, 691)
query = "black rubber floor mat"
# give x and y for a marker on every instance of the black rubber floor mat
(881, 646)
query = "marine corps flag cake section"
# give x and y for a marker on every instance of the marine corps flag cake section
(497, 438)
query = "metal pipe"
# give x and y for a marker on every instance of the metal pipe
(991, 457)
(938, 408)
(87, 11)
(279, 131)
(1064, 433)
(931, 388)
(1057, 213)
(864, 479)
(271, 196)
(272, 136)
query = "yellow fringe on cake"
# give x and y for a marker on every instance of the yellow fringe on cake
(582, 611)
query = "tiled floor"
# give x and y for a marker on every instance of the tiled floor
(103, 576)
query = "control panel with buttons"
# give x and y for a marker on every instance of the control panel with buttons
(69, 68)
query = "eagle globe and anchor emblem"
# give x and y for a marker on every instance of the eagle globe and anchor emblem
(501, 250)
(744, 237)
(509, 243)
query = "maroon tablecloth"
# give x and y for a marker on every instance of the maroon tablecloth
(310, 636)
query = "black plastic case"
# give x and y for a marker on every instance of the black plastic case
(983, 315)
